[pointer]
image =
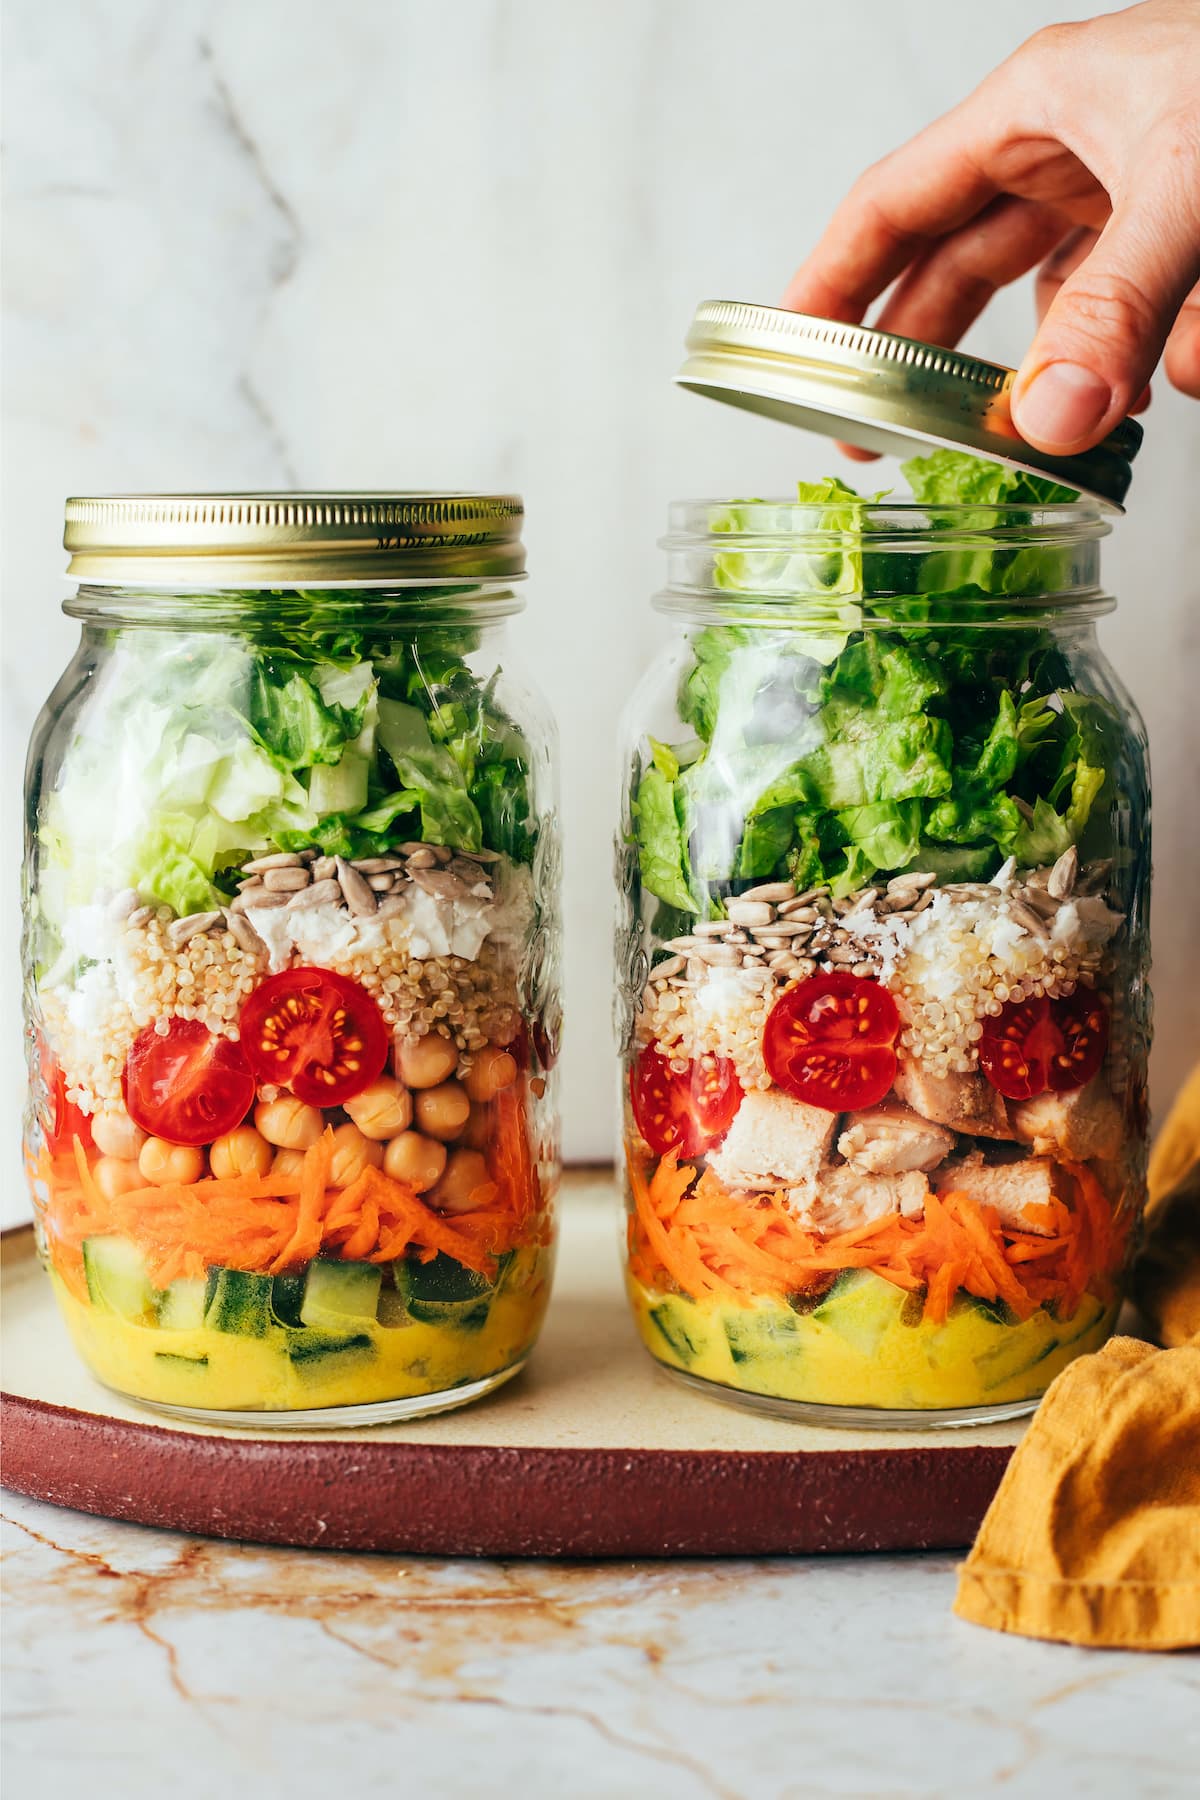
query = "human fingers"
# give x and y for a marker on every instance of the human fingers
(946, 288)
(1182, 356)
(1107, 325)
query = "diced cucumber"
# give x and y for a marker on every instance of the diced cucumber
(767, 1333)
(180, 1362)
(336, 1292)
(287, 1297)
(860, 1307)
(443, 1292)
(238, 1302)
(666, 1319)
(182, 1306)
(117, 1278)
(310, 1351)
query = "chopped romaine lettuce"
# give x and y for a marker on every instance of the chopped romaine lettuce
(910, 738)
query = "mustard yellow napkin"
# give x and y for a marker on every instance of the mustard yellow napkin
(1094, 1534)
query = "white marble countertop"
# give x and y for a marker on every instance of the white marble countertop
(139, 1663)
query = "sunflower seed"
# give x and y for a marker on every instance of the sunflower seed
(1062, 876)
(355, 889)
(771, 940)
(421, 858)
(324, 869)
(319, 894)
(710, 928)
(1025, 915)
(1043, 903)
(842, 953)
(251, 881)
(719, 956)
(261, 899)
(866, 967)
(181, 931)
(285, 881)
(441, 883)
(790, 928)
(244, 932)
(375, 865)
(485, 856)
(813, 893)
(278, 859)
(122, 905)
(389, 906)
(681, 943)
(749, 912)
(379, 884)
(770, 891)
(798, 909)
(801, 968)
(465, 869)
(142, 915)
(780, 959)
(442, 852)
(661, 971)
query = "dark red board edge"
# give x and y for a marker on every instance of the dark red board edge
(423, 1499)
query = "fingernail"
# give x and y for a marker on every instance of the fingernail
(1063, 405)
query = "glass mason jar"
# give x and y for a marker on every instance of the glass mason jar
(291, 957)
(882, 960)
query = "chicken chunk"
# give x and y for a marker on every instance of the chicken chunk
(890, 1138)
(1015, 1189)
(840, 1198)
(1079, 1125)
(967, 1103)
(774, 1142)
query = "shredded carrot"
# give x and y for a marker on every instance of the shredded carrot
(689, 1233)
(272, 1223)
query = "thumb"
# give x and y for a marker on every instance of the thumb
(1105, 329)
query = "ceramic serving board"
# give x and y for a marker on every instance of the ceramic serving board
(592, 1451)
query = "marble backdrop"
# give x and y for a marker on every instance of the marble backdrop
(402, 243)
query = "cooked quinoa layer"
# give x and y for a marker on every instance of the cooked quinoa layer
(208, 978)
(967, 952)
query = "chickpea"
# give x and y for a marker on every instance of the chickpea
(442, 1111)
(288, 1122)
(491, 1070)
(383, 1109)
(430, 1060)
(415, 1159)
(241, 1152)
(114, 1176)
(352, 1153)
(477, 1134)
(115, 1134)
(164, 1164)
(465, 1171)
(287, 1162)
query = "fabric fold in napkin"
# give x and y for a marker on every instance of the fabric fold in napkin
(1094, 1534)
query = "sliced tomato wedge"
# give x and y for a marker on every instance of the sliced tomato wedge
(829, 1041)
(689, 1113)
(188, 1086)
(1037, 1045)
(314, 1031)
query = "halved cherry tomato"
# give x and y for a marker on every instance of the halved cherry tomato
(691, 1112)
(1033, 1045)
(829, 1041)
(67, 1122)
(188, 1086)
(314, 1031)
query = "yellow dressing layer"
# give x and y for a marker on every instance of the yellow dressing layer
(855, 1348)
(255, 1374)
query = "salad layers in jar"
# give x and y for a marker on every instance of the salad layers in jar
(291, 959)
(882, 960)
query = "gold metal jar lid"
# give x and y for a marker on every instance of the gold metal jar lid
(293, 540)
(881, 392)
